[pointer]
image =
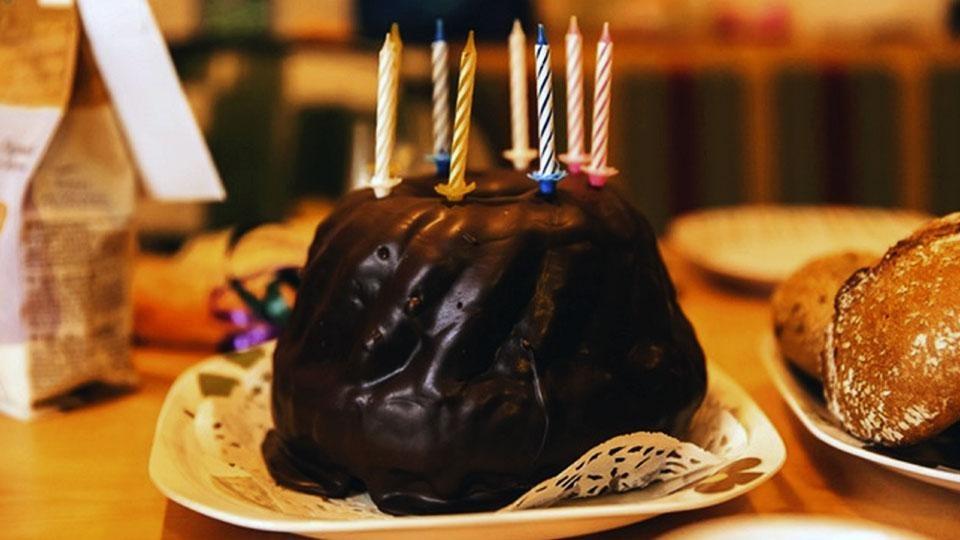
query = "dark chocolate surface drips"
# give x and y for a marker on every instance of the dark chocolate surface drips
(447, 357)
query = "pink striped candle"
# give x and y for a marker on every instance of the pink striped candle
(575, 155)
(599, 171)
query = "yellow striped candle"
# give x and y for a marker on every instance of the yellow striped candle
(456, 187)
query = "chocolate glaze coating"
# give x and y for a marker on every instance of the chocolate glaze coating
(447, 357)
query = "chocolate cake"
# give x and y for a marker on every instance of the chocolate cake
(447, 357)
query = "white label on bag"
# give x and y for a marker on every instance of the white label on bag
(25, 133)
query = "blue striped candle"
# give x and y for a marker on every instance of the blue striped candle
(441, 105)
(549, 172)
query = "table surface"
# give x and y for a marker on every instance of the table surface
(84, 473)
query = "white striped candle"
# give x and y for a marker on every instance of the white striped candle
(599, 171)
(549, 172)
(387, 82)
(520, 154)
(574, 49)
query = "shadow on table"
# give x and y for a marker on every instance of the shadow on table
(878, 494)
(86, 396)
(660, 525)
(181, 523)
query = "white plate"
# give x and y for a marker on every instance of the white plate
(787, 527)
(808, 405)
(759, 246)
(177, 469)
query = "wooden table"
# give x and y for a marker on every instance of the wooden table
(84, 473)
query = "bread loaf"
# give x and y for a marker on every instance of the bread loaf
(891, 366)
(803, 306)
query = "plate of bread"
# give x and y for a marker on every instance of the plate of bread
(865, 350)
(758, 246)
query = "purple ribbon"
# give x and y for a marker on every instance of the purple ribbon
(262, 317)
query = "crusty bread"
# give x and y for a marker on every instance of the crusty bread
(803, 306)
(891, 366)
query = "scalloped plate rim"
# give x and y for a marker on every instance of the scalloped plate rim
(791, 394)
(774, 458)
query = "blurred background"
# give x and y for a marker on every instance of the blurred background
(715, 102)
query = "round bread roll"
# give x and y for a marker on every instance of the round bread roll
(803, 306)
(891, 367)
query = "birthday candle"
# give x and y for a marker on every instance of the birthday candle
(549, 172)
(520, 153)
(395, 36)
(456, 187)
(599, 171)
(441, 105)
(574, 41)
(387, 82)
(398, 48)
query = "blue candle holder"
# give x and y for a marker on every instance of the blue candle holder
(547, 181)
(442, 162)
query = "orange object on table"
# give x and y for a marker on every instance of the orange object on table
(171, 295)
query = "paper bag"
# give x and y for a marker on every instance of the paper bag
(68, 186)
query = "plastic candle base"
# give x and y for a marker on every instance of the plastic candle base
(455, 193)
(520, 157)
(547, 181)
(442, 162)
(575, 162)
(598, 177)
(382, 186)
